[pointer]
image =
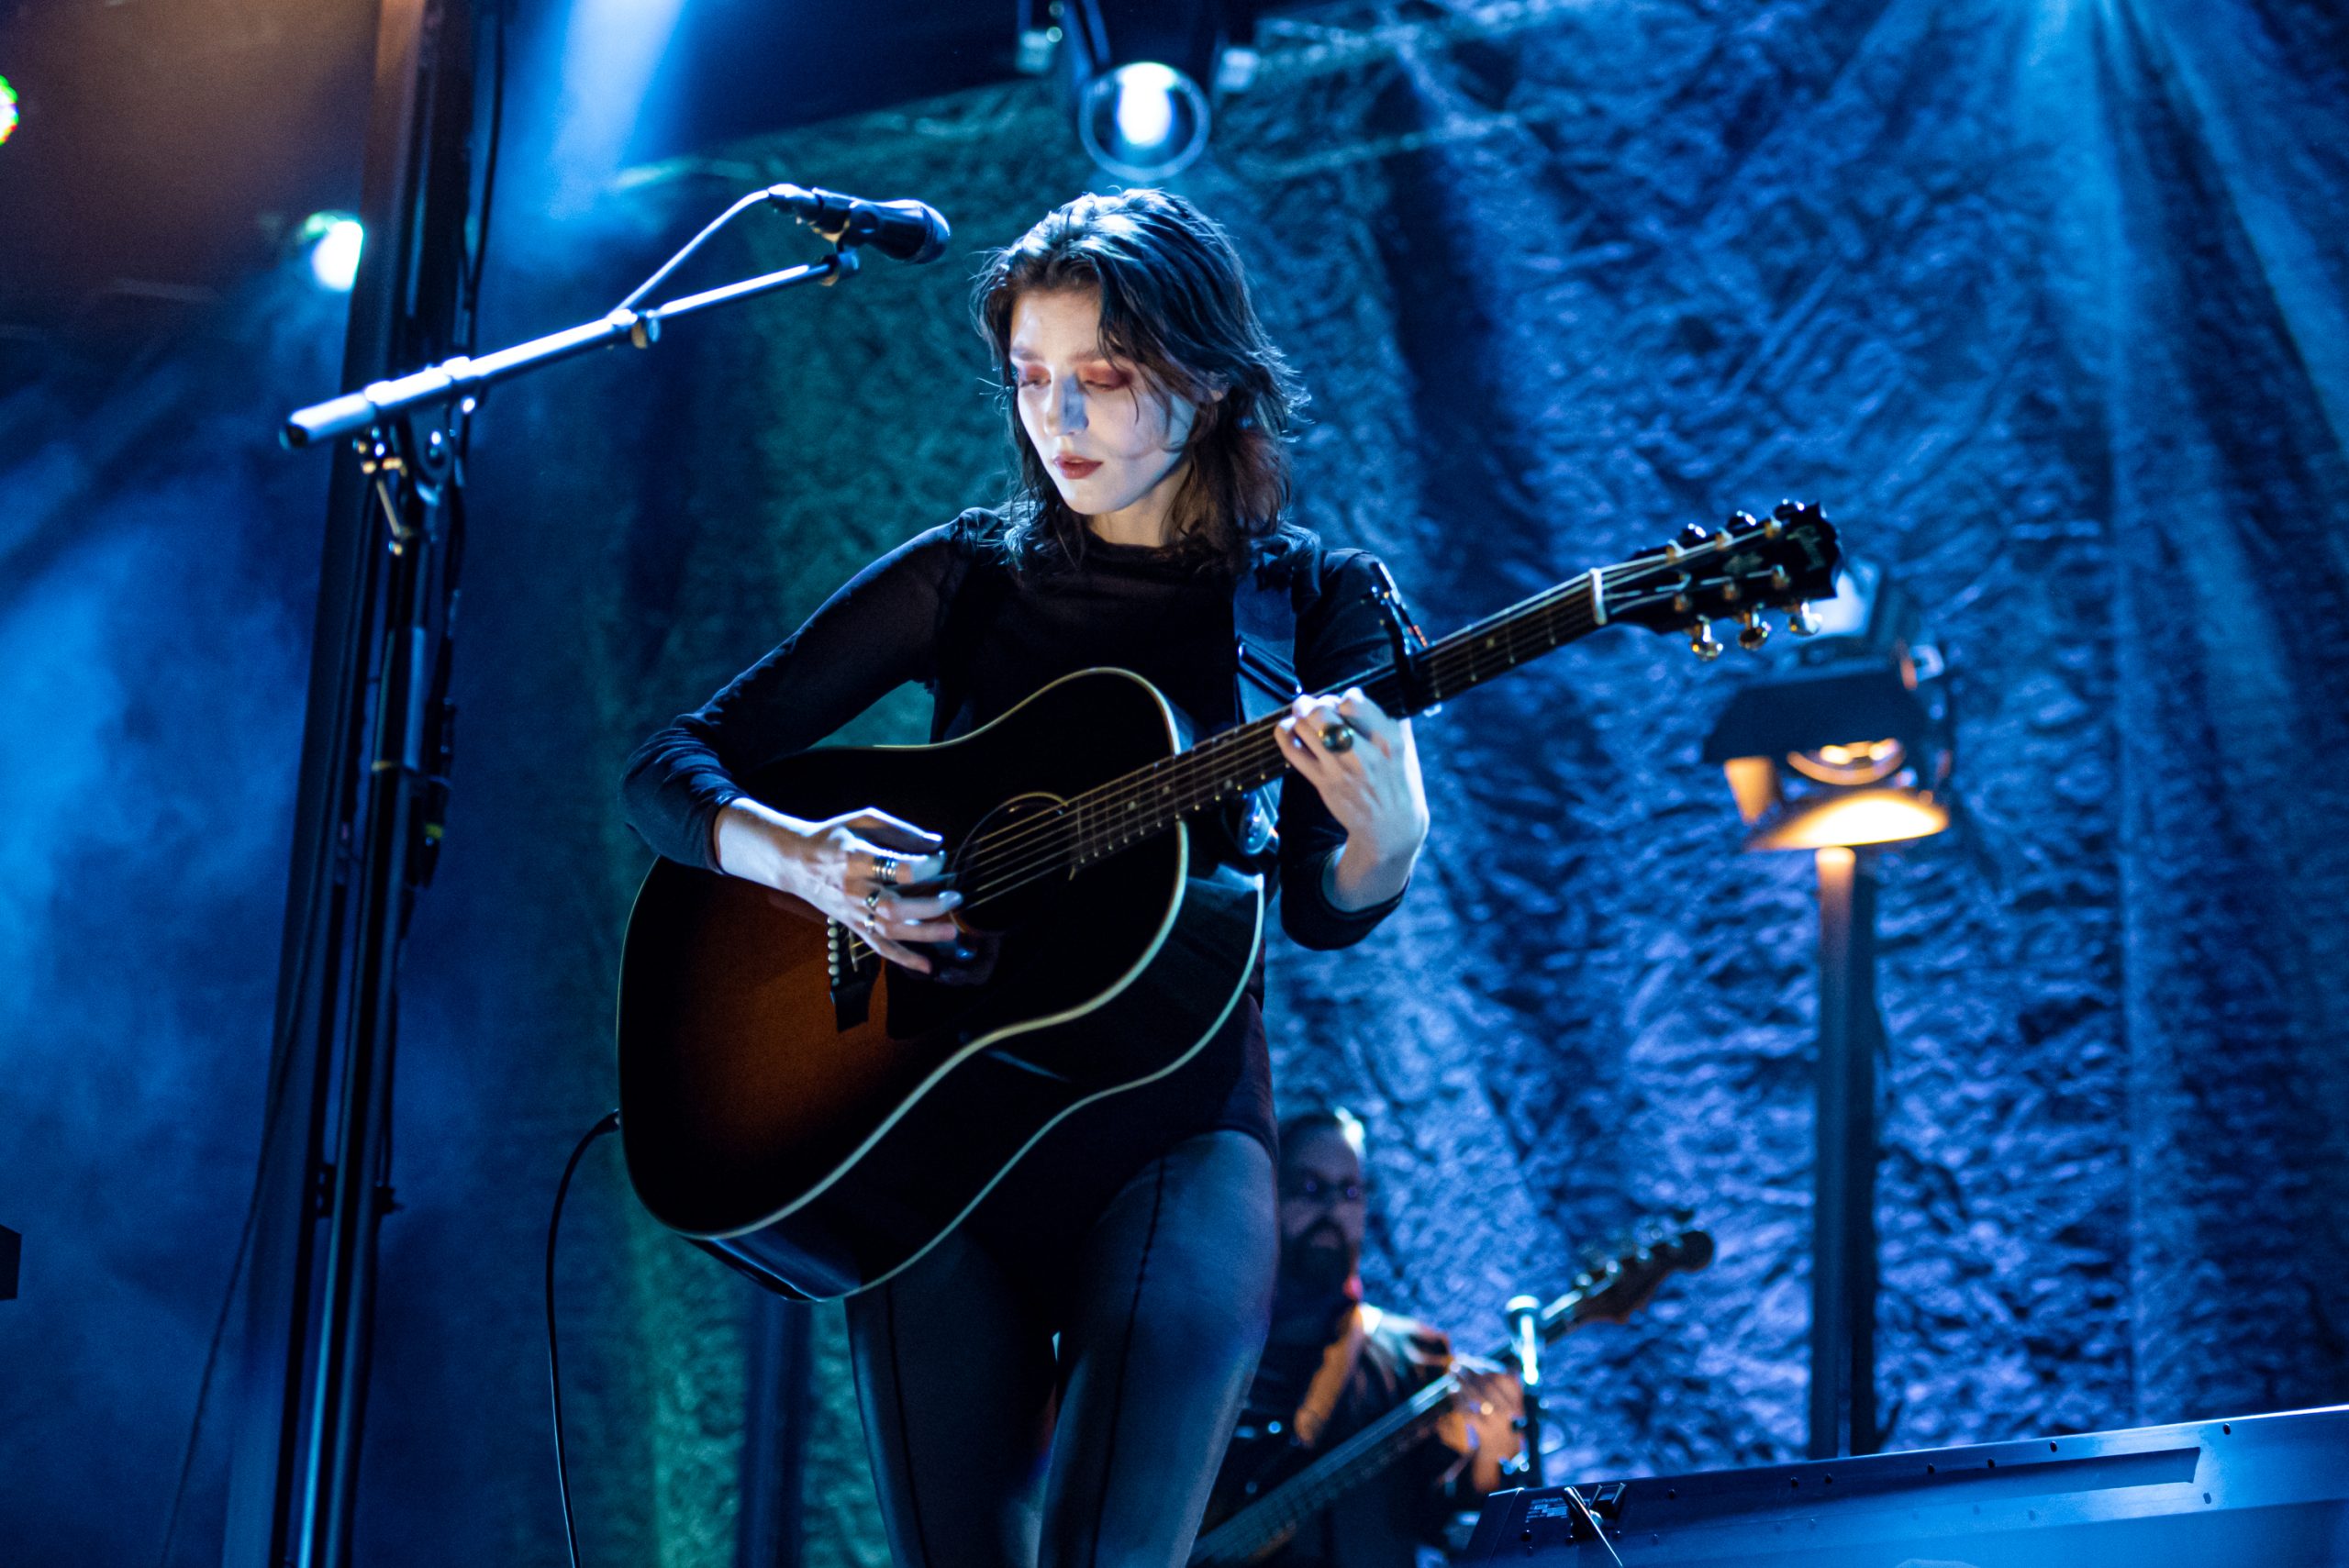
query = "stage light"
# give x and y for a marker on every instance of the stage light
(1849, 819)
(1145, 113)
(1851, 747)
(332, 242)
(9, 115)
(1853, 741)
(1140, 76)
(1144, 121)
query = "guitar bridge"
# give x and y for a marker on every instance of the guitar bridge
(852, 967)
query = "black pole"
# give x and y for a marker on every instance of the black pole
(372, 748)
(1843, 1262)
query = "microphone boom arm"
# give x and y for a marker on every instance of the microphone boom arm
(466, 377)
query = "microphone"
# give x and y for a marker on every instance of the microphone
(903, 232)
(1525, 1327)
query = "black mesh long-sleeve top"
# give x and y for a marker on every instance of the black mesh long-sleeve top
(1122, 605)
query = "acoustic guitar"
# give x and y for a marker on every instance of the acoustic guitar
(819, 1118)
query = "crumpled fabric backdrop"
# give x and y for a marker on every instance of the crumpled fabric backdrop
(2042, 302)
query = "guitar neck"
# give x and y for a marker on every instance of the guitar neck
(1259, 1526)
(1227, 765)
(1748, 566)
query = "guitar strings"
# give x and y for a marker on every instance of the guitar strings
(1037, 858)
(1531, 624)
(1462, 653)
(1185, 767)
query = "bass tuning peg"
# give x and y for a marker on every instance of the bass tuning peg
(1802, 620)
(1751, 632)
(1703, 643)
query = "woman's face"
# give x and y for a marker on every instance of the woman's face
(1110, 437)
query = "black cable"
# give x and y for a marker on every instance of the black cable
(636, 295)
(212, 1355)
(608, 1122)
(502, 10)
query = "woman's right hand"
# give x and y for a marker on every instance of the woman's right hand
(865, 869)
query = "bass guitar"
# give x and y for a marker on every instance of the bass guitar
(1272, 1514)
(819, 1119)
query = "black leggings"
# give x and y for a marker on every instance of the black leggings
(990, 1450)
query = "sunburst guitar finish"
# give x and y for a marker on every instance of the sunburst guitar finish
(823, 1150)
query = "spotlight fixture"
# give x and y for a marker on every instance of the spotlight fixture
(1140, 76)
(332, 242)
(1853, 745)
(9, 117)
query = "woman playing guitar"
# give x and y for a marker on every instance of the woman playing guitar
(1054, 1383)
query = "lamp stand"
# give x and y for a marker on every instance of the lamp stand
(1843, 1239)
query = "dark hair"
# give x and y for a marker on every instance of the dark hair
(1174, 304)
(1337, 1119)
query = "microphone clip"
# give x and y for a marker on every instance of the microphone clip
(835, 216)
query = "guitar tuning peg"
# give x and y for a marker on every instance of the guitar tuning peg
(1751, 632)
(1787, 511)
(1743, 522)
(1693, 537)
(1703, 643)
(1802, 620)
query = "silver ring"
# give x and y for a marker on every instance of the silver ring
(884, 870)
(1337, 736)
(872, 904)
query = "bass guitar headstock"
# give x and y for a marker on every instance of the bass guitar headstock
(1627, 1279)
(1750, 565)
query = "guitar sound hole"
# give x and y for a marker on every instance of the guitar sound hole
(1013, 863)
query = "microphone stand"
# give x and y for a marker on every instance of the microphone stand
(376, 811)
(464, 378)
(1525, 1323)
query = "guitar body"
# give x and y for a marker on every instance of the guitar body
(822, 1136)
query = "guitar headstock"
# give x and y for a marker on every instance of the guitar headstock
(1748, 565)
(1621, 1283)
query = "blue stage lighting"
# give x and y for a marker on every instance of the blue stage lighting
(1145, 104)
(333, 240)
(8, 115)
(612, 52)
(1142, 74)
(1143, 121)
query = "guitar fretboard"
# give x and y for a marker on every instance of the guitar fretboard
(1153, 800)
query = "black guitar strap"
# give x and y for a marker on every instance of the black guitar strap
(1264, 615)
(1264, 620)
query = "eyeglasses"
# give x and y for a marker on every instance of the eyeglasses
(1313, 1189)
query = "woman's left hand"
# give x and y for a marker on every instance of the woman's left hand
(1366, 770)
